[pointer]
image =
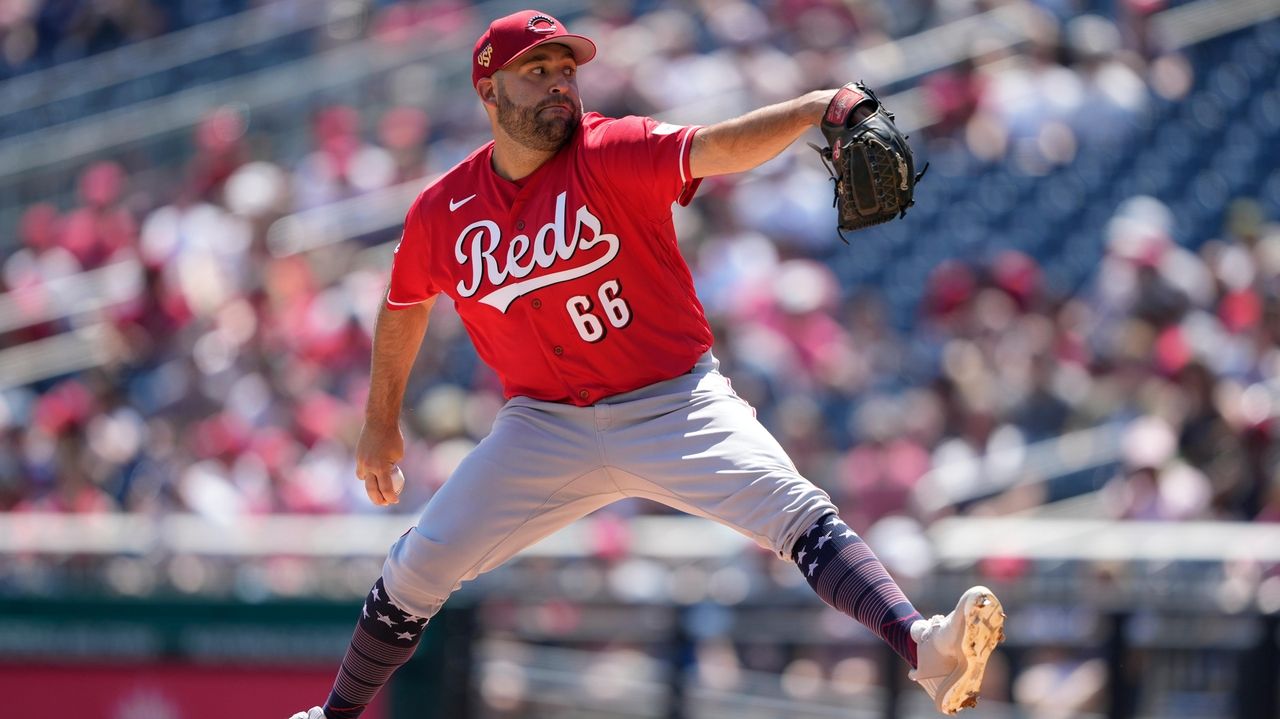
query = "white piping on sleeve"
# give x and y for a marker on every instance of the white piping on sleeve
(680, 158)
(403, 304)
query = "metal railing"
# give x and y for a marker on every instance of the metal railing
(887, 63)
(957, 540)
(38, 166)
(964, 539)
(166, 52)
(1003, 469)
(349, 64)
(336, 536)
(61, 354)
(71, 295)
(146, 121)
(1195, 22)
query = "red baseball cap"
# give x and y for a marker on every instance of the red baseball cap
(510, 37)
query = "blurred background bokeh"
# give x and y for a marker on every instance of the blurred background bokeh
(1059, 375)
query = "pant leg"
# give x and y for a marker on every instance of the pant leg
(693, 444)
(537, 471)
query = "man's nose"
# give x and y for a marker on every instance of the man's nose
(561, 85)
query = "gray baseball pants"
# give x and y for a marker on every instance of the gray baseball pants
(689, 442)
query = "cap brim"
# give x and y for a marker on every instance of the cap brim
(582, 47)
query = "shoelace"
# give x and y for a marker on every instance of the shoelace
(935, 623)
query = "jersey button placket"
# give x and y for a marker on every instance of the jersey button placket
(520, 225)
(558, 350)
(537, 304)
(583, 394)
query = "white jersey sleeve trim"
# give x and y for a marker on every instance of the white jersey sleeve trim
(680, 158)
(403, 304)
(688, 183)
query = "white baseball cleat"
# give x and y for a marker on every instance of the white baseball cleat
(952, 651)
(312, 713)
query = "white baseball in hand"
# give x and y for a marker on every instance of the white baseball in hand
(397, 479)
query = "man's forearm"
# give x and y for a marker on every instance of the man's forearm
(396, 338)
(756, 137)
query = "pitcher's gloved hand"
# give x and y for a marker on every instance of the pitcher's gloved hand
(868, 157)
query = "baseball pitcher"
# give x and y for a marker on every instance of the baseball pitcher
(555, 242)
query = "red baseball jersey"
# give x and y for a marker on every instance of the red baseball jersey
(568, 281)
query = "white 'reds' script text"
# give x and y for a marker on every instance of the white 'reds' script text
(478, 242)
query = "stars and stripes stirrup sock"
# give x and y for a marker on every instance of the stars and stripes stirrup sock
(844, 571)
(384, 639)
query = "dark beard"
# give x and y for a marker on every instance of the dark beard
(533, 130)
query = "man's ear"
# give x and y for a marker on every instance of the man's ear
(487, 89)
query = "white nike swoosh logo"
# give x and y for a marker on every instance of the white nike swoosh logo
(455, 204)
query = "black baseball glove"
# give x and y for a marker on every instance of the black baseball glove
(869, 159)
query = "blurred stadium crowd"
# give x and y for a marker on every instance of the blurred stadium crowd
(1069, 264)
(1076, 260)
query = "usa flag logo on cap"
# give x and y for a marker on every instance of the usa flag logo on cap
(541, 24)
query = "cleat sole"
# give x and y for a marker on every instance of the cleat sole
(983, 630)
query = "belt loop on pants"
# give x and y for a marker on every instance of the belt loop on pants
(604, 415)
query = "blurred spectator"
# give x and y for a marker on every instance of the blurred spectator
(100, 228)
(877, 477)
(342, 165)
(402, 21)
(403, 132)
(41, 258)
(1113, 92)
(954, 95)
(220, 149)
(1156, 484)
